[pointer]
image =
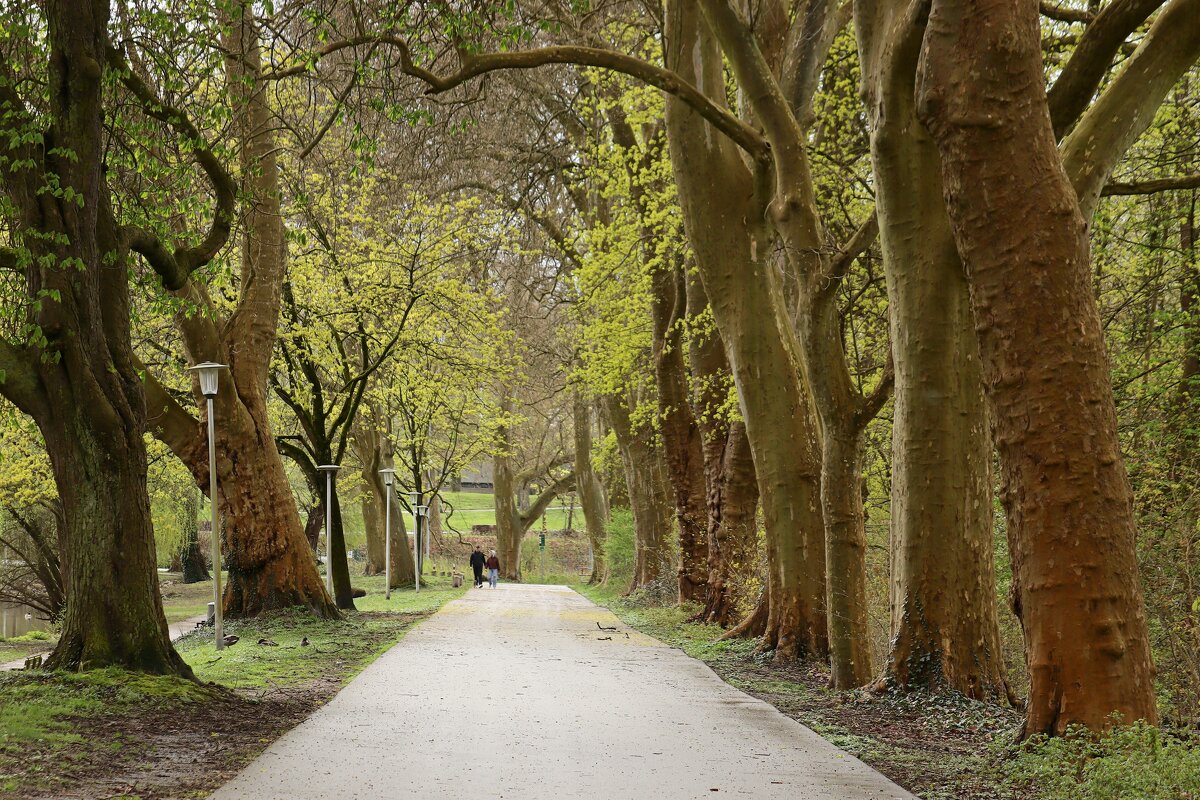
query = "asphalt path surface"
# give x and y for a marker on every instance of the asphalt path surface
(515, 693)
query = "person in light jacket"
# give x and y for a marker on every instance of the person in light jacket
(493, 566)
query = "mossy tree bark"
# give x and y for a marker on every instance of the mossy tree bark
(730, 481)
(682, 440)
(191, 557)
(591, 491)
(80, 383)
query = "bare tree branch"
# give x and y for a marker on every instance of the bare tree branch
(175, 267)
(1128, 103)
(1065, 13)
(475, 65)
(1115, 189)
(1099, 44)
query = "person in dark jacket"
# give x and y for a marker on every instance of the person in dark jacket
(493, 565)
(477, 559)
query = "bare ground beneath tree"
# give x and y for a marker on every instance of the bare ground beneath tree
(184, 752)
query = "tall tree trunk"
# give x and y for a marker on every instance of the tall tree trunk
(681, 437)
(794, 214)
(191, 557)
(508, 525)
(844, 417)
(720, 203)
(944, 627)
(845, 554)
(336, 537)
(374, 453)
(730, 481)
(1070, 514)
(366, 441)
(114, 612)
(313, 522)
(270, 567)
(433, 521)
(81, 384)
(591, 492)
(646, 477)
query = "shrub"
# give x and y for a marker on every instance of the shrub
(1140, 761)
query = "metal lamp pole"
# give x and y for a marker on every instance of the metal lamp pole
(209, 373)
(389, 476)
(330, 470)
(416, 509)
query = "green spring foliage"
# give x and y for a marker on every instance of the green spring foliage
(1140, 762)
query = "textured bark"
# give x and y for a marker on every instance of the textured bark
(646, 477)
(81, 386)
(591, 491)
(845, 557)
(1017, 223)
(508, 526)
(944, 627)
(343, 593)
(779, 105)
(270, 564)
(191, 558)
(374, 453)
(730, 481)
(725, 221)
(682, 441)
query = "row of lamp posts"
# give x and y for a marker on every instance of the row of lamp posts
(209, 374)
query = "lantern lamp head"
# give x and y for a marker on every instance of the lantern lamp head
(389, 476)
(208, 373)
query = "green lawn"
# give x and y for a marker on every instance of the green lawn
(475, 508)
(342, 647)
(42, 713)
(24, 645)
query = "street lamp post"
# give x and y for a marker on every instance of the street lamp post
(389, 477)
(416, 510)
(208, 373)
(330, 470)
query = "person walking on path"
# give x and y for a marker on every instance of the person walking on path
(477, 559)
(493, 565)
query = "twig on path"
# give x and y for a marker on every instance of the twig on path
(603, 628)
(603, 638)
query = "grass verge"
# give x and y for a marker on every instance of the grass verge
(115, 734)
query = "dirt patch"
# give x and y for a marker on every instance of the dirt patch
(156, 752)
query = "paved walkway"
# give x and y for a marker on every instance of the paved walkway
(177, 630)
(515, 693)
